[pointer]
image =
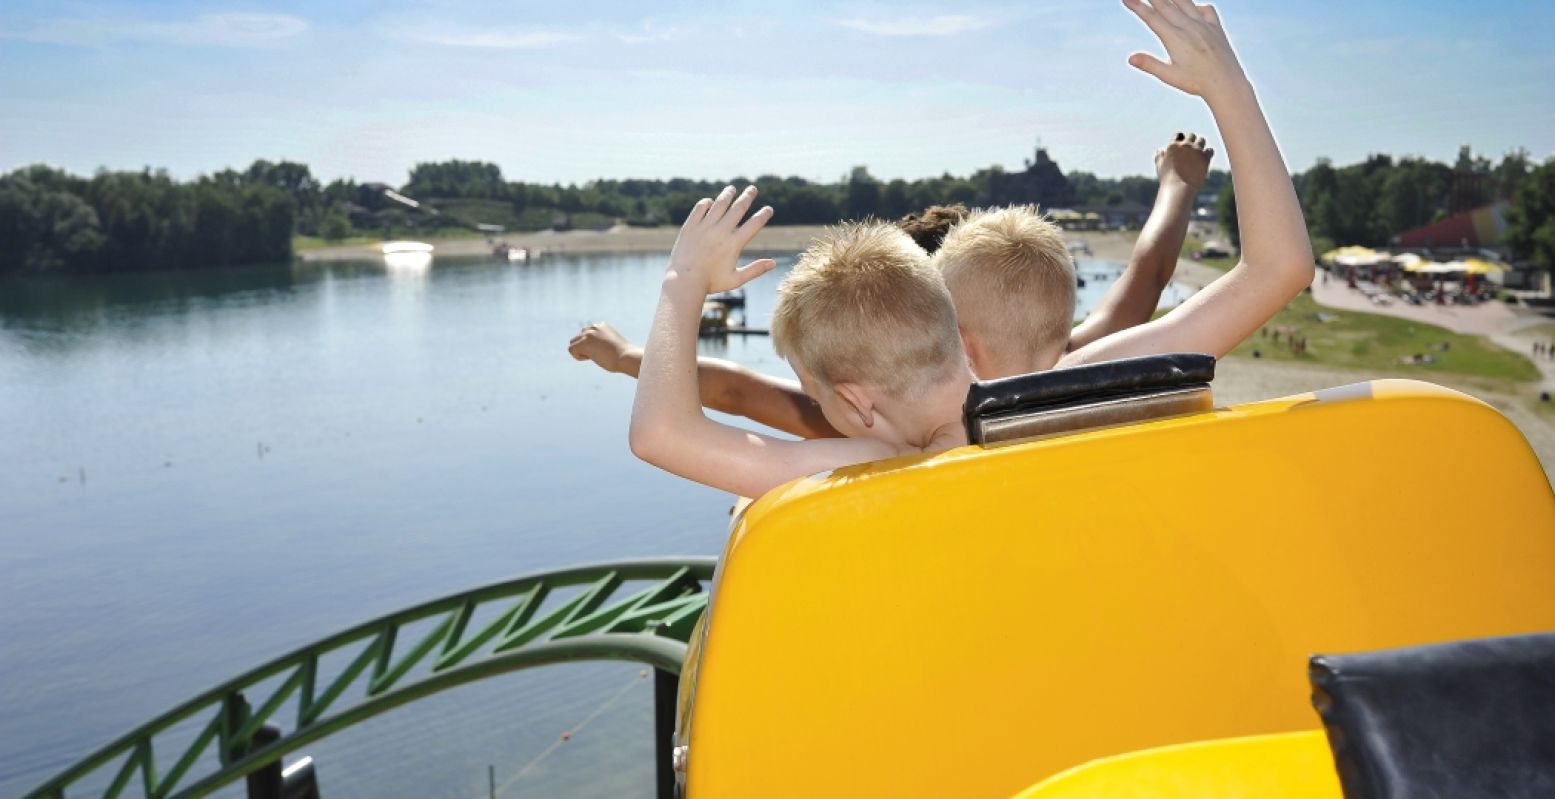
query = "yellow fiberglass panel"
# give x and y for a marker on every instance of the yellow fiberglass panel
(1297, 765)
(971, 623)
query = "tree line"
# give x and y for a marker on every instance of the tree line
(51, 221)
(470, 191)
(1371, 202)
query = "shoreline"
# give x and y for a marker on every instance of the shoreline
(1111, 246)
(1114, 246)
(575, 242)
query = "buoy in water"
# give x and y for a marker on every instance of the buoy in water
(566, 735)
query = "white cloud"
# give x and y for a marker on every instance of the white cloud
(483, 37)
(234, 29)
(941, 25)
(651, 31)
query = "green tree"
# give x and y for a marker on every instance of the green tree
(1316, 188)
(863, 194)
(1531, 226)
(1225, 209)
(813, 205)
(335, 224)
(472, 179)
(127, 221)
(44, 229)
(896, 201)
(289, 176)
(1509, 174)
(1411, 193)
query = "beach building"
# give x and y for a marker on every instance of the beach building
(1480, 227)
(1477, 232)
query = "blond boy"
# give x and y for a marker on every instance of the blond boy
(912, 403)
(1014, 282)
(864, 320)
(1014, 287)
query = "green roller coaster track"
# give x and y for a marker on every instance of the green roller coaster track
(640, 611)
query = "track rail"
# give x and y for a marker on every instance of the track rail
(640, 611)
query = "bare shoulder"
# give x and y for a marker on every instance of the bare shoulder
(751, 464)
(833, 453)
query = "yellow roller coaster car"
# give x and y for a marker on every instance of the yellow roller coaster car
(977, 622)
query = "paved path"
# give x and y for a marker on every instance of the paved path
(1524, 345)
(1485, 319)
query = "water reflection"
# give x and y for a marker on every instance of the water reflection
(407, 263)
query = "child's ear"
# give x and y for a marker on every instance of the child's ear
(859, 400)
(972, 346)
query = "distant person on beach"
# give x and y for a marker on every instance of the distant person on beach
(1013, 283)
(870, 328)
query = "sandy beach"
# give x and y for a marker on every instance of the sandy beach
(618, 239)
(1111, 246)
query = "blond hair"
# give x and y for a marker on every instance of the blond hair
(1012, 278)
(864, 305)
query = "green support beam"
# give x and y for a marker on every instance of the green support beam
(640, 611)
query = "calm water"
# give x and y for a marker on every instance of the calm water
(201, 471)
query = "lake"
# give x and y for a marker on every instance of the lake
(200, 471)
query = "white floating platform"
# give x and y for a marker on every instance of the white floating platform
(397, 247)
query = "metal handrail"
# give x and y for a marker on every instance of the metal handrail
(597, 620)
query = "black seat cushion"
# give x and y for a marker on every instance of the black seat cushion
(1091, 381)
(1464, 719)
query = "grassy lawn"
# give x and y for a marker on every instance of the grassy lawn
(1376, 343)
(301, 243)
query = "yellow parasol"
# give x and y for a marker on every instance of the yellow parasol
(1480, 266)
(1467, 266)
(1355, 256)
(1434, 268)
(1351, 251)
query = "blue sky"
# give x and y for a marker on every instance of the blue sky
(584, 89)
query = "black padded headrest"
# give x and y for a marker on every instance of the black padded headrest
(1465, 719)
(1095, 381)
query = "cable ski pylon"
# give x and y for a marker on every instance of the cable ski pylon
(640, 611)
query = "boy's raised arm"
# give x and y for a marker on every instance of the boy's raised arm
(1182, 166)
(723, 385)
(668, 428)
(1276, 253)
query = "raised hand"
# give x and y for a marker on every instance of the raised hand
(1276, 262)
(708, 247)
(602, 344)
(1201, 59)
(1185, 159)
